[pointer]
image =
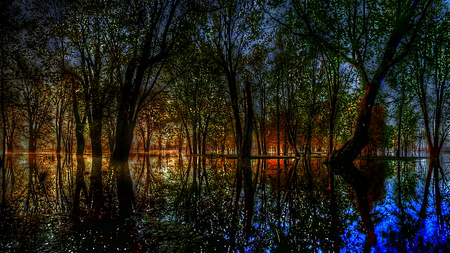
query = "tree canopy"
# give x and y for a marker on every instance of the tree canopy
(243, 77)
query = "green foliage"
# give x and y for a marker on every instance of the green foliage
(388, 137)
(310, 64)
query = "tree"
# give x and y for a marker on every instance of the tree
(50, 21)
(401, 93)
(376, 129)
(88, 35)
(232, 31)
(372, 37)
(13, 119)
(194, 93)
(382, 33)
(152, 32)
(11, 19)
(290, 76)
(78, 107)
(337, 79)
(151, 120)
(387, 141)
(35, 102)
(431, 80)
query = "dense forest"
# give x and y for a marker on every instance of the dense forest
(234, 80)
(242, 77)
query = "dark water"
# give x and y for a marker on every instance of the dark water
(167, 204)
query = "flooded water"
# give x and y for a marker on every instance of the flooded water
(191, 204)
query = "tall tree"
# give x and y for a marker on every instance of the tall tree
(13, 119)
(10, 20)
(152, 32)
(431, 77)
(72, 41)
(89, 36)
(372, 37)
(337, 79)
(35, 102)
(232, 31)
(380, 35)
(401, 94)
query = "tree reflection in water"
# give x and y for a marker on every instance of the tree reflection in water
(173, 204)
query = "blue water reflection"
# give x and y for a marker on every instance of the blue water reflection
(70, 204)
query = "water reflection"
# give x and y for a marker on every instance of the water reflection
(170, 204)
(80, 185)
(124, 188)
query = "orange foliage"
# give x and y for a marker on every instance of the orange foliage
(271, 133)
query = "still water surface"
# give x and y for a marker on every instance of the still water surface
(193, 204)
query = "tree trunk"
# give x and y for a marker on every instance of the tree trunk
(79, 128)
(293, 142)
(111, 144)
(180, 142)
(204, 143)
(9, 145)
(127, 112)
(308, 141)
(399, 130)
(231, 78)
(32, 144)
(263, 122)
(68, 140)
(58, 143)
(188, 137)
(2, 104)
(248, 127)
(194, 138)
(147, 144)
(331, 131)
(263, 143)
(58, 127)
(95, 126)
(278, 121)
(258, 143)
(223, 143)
(124, 138)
